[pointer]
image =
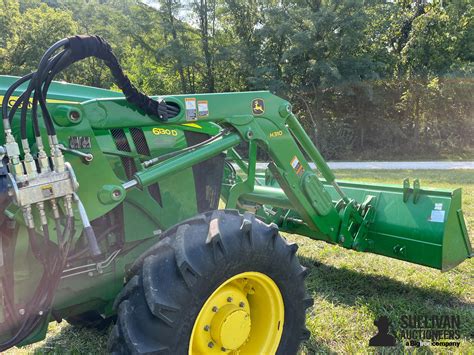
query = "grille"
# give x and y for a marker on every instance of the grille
(140, 141)
(128, 163)
(120, 140)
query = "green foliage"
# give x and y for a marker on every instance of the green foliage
(369, 79)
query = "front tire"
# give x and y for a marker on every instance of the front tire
(214, 284)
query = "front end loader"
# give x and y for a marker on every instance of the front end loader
(110, 212)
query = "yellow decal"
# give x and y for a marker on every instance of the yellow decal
(167, 132)
(193, 125)
(13, 99)
(258, 106)
(276, 134)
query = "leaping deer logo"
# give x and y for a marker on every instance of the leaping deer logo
(258, 106)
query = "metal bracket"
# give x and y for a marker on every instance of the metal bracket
(248, 185)
(416, 190)
(406, 189)
(368, 209)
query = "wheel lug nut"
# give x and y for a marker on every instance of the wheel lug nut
(241, 304)
(229, 299)
(211, 344)
(215, 309)
(206, 328)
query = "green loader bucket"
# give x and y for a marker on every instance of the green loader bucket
(421, 226)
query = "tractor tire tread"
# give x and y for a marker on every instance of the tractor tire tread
(157, 307)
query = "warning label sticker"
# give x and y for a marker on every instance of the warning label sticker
(437, 216)
(203, 108)
(191, 110)
(296, 165)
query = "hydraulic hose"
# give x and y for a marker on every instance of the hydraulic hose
(39, 305)
(6, 98)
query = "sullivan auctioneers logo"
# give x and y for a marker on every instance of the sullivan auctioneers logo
(419, 330)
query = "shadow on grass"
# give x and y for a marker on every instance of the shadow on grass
(347, 286)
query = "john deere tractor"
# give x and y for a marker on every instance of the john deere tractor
(136, 210)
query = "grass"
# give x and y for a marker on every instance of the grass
(351, 289)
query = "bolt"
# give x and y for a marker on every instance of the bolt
(211, 344)
(215, 309)
(223, 349)
(241, 304)
(206, 328)
(90, 273)
(22, 312)
(341, 239)
(229, 299)
(40, 313)
(117, 193)
(88, 158)
(74, 116)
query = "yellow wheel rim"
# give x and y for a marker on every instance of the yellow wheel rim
(244, 315)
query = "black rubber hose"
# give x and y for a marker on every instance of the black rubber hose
(10, 91)
(25, 97)
(34, 115)
(35, 84)
(43, 295)
(40, 96)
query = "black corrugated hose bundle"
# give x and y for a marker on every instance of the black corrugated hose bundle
(72, 50)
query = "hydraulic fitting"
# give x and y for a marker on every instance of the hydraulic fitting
(68, 205)
(54, 207)
(30, 165)
(28, 216)
(42, 213)
(13, 153)
(57, 154)
(42, 157)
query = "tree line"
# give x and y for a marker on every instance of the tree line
(370, 79)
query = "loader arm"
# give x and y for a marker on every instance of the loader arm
(422, 226)
(277, 131)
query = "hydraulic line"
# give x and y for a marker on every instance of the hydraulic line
(6, 98)
(38, 307)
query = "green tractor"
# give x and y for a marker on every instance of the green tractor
(110, 213)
